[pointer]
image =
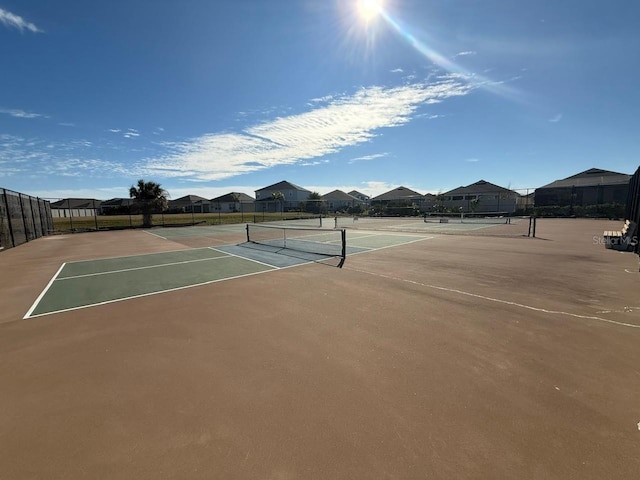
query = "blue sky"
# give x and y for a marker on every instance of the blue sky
(207, 97)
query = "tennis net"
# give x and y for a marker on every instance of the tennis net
(324, 243)
(492, 218)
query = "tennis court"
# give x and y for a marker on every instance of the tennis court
(89, 283)
(425, 356)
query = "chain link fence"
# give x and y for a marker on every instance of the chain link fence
(22, 218)
(83, 215)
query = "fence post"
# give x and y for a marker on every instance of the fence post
(42, 214)
(6, 202)
(33, 219)
(24, 220)
(95, 212)
(70, 214)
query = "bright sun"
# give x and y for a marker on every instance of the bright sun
(369, 9)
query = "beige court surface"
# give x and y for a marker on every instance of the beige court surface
(456, 357)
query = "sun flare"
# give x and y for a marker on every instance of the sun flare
(369, 9)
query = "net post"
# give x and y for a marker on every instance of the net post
(534, 226)
(344, 248)
(247, 229)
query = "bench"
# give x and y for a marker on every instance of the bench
(624, 239)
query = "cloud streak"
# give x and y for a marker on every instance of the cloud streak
(336, 123)
(14, 112)
(368, 157)
(11, 20)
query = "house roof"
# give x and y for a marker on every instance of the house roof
(283, 185)
(117, 202)
(187, 199)
(481, 186)
(339, 195)
(399, 193)
(357, 194)
(76, 203)
(229, 197)
(591, 178)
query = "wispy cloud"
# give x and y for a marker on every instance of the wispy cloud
(131, 133)
(76, 158)
(397, 70)
(14, 112)
(313, 163)
(366, 158)
(325, 99)
(12, 20)
(344, 121)
(466, 53)
(472, 160)
(556, 118)
(430, 116)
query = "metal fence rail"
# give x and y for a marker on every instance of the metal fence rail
(22, 218)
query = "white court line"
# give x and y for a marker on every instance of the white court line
(96, 274)
(155, 234)
(497, 300)
(35, 304)
(245, 258)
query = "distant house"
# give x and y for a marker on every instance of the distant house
(293, 196)
(185, 204)
(115, 206)
(75, 207)
(361, 196)
(481, 196)
(429, 203)
(591, 187)
(338, 200)
(526, 202)
(232, 202)
(401, 196)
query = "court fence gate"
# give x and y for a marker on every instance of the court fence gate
(22, 218)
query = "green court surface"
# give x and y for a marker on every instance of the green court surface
(95, 282)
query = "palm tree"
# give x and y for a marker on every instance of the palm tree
(314, 203)
(148, 196)
(236, 200)
(278, 197)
